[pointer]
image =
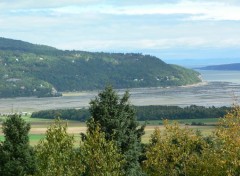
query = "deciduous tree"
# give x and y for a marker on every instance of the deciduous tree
(228, 138)
(56, 154)
(100, 156)
(174, 151)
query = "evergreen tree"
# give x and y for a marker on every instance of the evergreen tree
(118, 122)
(16, 155)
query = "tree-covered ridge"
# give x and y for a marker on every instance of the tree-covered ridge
(37, 70)
(227, 67)
(143, 113)
(10, 44)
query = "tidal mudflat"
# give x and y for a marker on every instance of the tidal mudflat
(218, 89)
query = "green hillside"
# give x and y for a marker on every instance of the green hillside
(36, 70)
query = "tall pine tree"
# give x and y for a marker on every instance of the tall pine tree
(117, 120)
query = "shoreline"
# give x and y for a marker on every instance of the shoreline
(92, 92)
(203, 83)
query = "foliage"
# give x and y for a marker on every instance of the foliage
(173, 152)
(222, 156)
(117, 120)
(36, 70)
(159, 112)
(16, 155)
(182, 152)
(69, 114)
(56, 155)
(143, 113)
(228, 138)
(112, 146)
(100, 156)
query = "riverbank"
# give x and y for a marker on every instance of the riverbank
(203, 83)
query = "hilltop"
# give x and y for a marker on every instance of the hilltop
(37, 70)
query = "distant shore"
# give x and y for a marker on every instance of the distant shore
(84, 93)
(203, 83)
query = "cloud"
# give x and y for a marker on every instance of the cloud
(147, 44)
(195, 9)
(32, 4)
(126, 25)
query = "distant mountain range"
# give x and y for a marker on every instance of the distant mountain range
(195, 63)
(229, 67)
(37, 70)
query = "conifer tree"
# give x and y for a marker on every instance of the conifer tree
(117, 120)
(16, 155)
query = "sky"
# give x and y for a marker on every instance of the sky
(170, 29)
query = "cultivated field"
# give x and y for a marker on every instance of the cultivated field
(39, 127)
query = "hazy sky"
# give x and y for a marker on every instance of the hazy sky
(169, 29)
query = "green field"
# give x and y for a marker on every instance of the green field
(39, 127)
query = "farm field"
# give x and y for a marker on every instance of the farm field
(39, 127)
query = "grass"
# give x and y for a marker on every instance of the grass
(28, 118)
(35, 139)
(209, 121)
(39, 127)
(1, 138)
(41, 123)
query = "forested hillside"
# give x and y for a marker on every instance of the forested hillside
(36, 70)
